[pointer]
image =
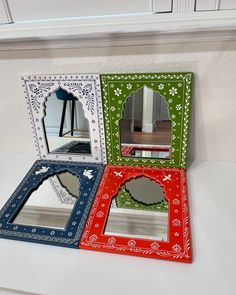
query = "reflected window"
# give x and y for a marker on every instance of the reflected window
(43, 207)
(145, 128)
(139, 210)
(66, 127)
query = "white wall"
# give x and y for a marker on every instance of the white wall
(214, 102)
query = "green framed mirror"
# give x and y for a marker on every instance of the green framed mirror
(147, 118)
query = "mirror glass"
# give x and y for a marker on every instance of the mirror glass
(139, 210)
(66, 127)
(145, 128)
(44, 208)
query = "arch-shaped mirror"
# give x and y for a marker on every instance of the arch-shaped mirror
(145, 127)
(142, 211)
(43, 207)
(66, 126)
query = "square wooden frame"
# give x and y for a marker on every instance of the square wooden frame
(177, 247)
(87, 89)
(68, 237)
(175, 88)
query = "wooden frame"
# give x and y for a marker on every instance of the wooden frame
(176, 248)
(84, 87)
(175, 88)
(41, 170)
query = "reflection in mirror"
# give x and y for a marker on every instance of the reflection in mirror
(139, 210)
(145, 128)
(66, 127)
(43, 207)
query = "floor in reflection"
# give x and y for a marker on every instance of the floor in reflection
(161, 134)
(137, 224)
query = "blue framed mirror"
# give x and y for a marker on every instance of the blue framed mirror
(52, 203)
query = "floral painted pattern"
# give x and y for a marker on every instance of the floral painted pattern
(175, 88)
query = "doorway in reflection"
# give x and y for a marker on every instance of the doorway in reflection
(139, 210)
(44, 208)
(145, 128)
(66, 127)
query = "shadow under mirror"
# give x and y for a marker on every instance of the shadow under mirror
(44, 206)
(66, 127)
(139, 210)
(145, 128)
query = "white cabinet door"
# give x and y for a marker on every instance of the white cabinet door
(3, 13)
(227, 4)
(27, 10)
(162, 6)
(202, 5)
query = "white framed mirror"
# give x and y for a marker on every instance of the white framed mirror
(66, 117)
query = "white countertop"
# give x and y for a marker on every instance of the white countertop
(42, 269)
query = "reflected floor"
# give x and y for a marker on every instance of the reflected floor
(45, 217)
(55, 142)
(161, 134)
(137, 224)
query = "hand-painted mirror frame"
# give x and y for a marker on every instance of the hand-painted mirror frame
(177, 247)
(86, 88)
(175, 88)
(42, 169)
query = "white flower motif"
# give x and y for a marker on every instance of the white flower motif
(155, 246)
(176, 248)
(176, 222)
(180, 85)
(129, 86)
(173, 116)
(119, 101)
(111, 241)
(175, 202)
(100, 214)
(33, 230)
(112, 109)
(117, 91)
(93, 238)
(176, 234)
(178, 107)
(15, 227)
(173, 91)
(96, 225)
(161, 86)
(173, 123)
(52, 233)
(170, 100)
(112, 85)
(131, 243)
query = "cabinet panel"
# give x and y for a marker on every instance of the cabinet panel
(202, 5)
(227, 4)
(162, 5)
(26, 10)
